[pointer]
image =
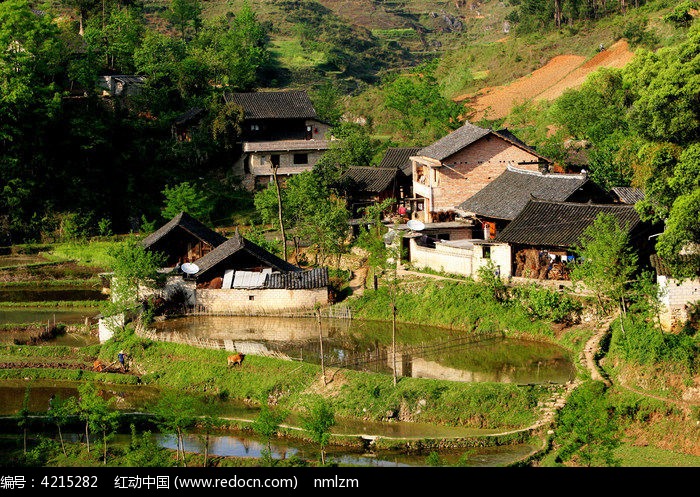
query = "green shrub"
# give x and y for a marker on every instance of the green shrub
(543, 303)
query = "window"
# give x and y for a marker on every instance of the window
(255, 127)
(301, 158)
(486, 251)
(275, 160)
(251, 297)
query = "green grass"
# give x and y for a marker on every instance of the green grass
(95, 283)
(636, 456)
(291, 54)
(53, 303)
(92, 253)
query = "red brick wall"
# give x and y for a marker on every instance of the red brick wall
(481, 162)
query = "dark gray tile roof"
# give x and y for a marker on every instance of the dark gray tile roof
(561, 224)
(399, 157)
(236, 244)
(188, 115)
(628, 195)
(188, 223)
(369, 178)
(298, 280)
(454, 142)
(663, 269)
(506, 195)
(466, 135)
(274, 104)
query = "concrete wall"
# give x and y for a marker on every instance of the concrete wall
(260, 164)
(447, 259)
(675, 299)
(461, 260)
(258, 301)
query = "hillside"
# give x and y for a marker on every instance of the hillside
(546, 83)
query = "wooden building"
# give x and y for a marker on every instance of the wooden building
(280, 130)
(238, 254)
(183, 239)
(544, 235)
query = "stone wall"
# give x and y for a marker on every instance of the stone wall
(676, 299)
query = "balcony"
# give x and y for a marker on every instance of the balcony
(421, 189)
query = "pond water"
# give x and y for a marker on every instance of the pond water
(423, 351)
(51, 293)
(135, 398)
(73, 315)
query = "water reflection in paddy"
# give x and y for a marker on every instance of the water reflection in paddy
(425, 351)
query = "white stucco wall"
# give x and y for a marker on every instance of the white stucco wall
(465, 260)
(675, 299)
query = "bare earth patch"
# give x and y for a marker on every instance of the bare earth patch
(546, 83)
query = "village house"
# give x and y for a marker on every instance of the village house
(459, 165)
(184, 125)
(230, 276)
(544, 235)
(280, 130)
(117, 85)
(183, 239)
(368, 185)
(499, 202)
(240, 277)
(626, 194)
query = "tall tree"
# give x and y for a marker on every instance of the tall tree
(318, 421)
(606, 262)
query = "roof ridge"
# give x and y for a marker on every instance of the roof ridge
(514, 169)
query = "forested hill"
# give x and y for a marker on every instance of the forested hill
(76, 163)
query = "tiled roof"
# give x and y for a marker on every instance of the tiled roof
(274, 104)
(188, 115)
(286, 145)
(297, 280)
(188, 223)
(369, 178)
(628, 195)
(466, 135)
(454, 142)
(506, 195)
(663, 269)
(399, 157)
(236, 244)
(561, 224)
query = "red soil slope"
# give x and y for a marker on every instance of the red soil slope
(547, 83)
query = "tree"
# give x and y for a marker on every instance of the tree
(587, 428)
(187, 16)
(423, 113)
(59, 413)
(97, 414)
(133, 266)
(23, 422)
(236, 47)
(679, 242)
(318, 422)
(184, 197)
(606, 262)
(176, 413)
(267, 424)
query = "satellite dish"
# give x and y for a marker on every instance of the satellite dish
(415, 225)
(189, 268)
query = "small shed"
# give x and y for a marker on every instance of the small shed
(183, 239)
